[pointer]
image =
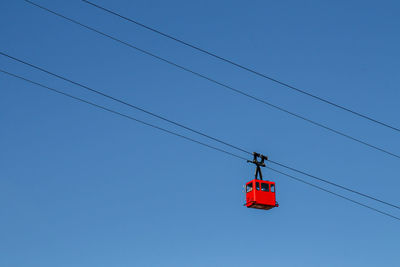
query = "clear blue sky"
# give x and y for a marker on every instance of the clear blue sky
(82, 187)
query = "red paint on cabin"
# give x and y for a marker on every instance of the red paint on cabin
(260, 195)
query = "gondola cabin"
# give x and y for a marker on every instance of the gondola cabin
(260, 194)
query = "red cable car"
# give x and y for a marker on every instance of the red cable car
(260, 194)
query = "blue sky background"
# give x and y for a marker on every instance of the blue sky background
(82, 187)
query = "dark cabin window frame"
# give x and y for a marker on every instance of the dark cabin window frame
(265, 187)
(272, 188)
(249, 187)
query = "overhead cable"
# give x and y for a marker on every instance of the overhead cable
(333, 193)
(122, 102)
(192, 130)
(334, 184)
(185, 137)
(219, 83)
(121, 114)
(248, 69)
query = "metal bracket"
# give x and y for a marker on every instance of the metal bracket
(259, 163)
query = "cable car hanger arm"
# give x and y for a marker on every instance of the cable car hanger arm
(259, 163)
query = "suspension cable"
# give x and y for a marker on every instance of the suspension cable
(218, 83)
(193, 130)
(333, 193)
(248, 69)
(121, 114)
(185, 137)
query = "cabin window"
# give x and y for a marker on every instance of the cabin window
(272, 188)
(257, 185)
(265, 187)
(249, 187)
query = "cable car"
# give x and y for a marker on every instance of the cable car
(260, 194)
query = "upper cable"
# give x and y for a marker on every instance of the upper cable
(248, 69)
(218, 83)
